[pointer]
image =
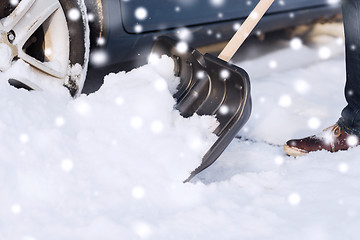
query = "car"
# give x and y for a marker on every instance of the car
(63, 39)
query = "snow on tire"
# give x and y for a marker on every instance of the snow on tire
(44, 43)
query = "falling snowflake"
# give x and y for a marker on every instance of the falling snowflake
(352, 141)
(279, 160)
(333, 2)
(82, 107)
(119, 101)
(24, 138)
(99, 58)
(291, 15)
(285, 101)
(314, 123)
(182, 47)
(177, 9)
(273, 64)
(101, 41)
(224, 110)
(353, 47)
(296, 43)
(67, 165)
(200, 74)
(184, 34)
(225, 74)
(301, 86)
(60, 121)
(294, 199)
(138, 192)
(254, 15)
(14, 2)
(160, 85)
(74, 14)
(141, 13)
(324, 53)
(236, 26)
(16, 209)
(217, 3)
(343, 167)
(157, 127)
(91, 17)
(195, 143)
(136, 122)
(142, 229)
(138, 28)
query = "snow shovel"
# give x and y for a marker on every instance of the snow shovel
(211, 86)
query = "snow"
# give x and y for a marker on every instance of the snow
(110, 165)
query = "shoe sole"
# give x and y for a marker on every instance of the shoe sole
(295, 152)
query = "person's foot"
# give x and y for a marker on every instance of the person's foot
(331, 139)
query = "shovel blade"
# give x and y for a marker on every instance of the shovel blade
(209, 86)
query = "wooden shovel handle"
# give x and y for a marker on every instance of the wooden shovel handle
(245, 30)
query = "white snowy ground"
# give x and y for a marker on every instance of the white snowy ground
(110, 165)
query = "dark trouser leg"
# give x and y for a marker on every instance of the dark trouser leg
(350, 116)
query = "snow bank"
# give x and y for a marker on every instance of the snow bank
(111, 165)
(90, 168)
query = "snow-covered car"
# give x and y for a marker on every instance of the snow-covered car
(60, 38)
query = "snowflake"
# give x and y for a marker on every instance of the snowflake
(184, 34)
(343, 167)
(294, 199)
(224, 110)
(224, 74)
(217, 3)
(333, 2)
(182, 47)
(136, 122)
(160, 85)
(301, 86)
(74, 14)
(142, 229)
(141, 13)
(273, 64)
(138, 192)
(279, 160)
(157, 127)
(16, 209)
(314, 123)
(14, 2)
(67, 165)
(296, 43)
(138, 28)
(352, 141)
(24, 138)
(324, 53)
(236, 26)
(119, 101)
(285, 101)
(60, 121)
(99, 58)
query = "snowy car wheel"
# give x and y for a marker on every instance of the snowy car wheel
(50, 38)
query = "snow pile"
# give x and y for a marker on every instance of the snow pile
(111, 165)
(68, 167)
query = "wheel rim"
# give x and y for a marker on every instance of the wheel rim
(36, 32)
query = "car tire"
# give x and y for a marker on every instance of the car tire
(51, 36)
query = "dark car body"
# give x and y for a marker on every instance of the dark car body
(209, 21)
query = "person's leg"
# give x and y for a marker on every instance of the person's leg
(350, 116)
(346, 132)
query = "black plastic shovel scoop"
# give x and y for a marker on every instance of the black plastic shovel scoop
(211, 86)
